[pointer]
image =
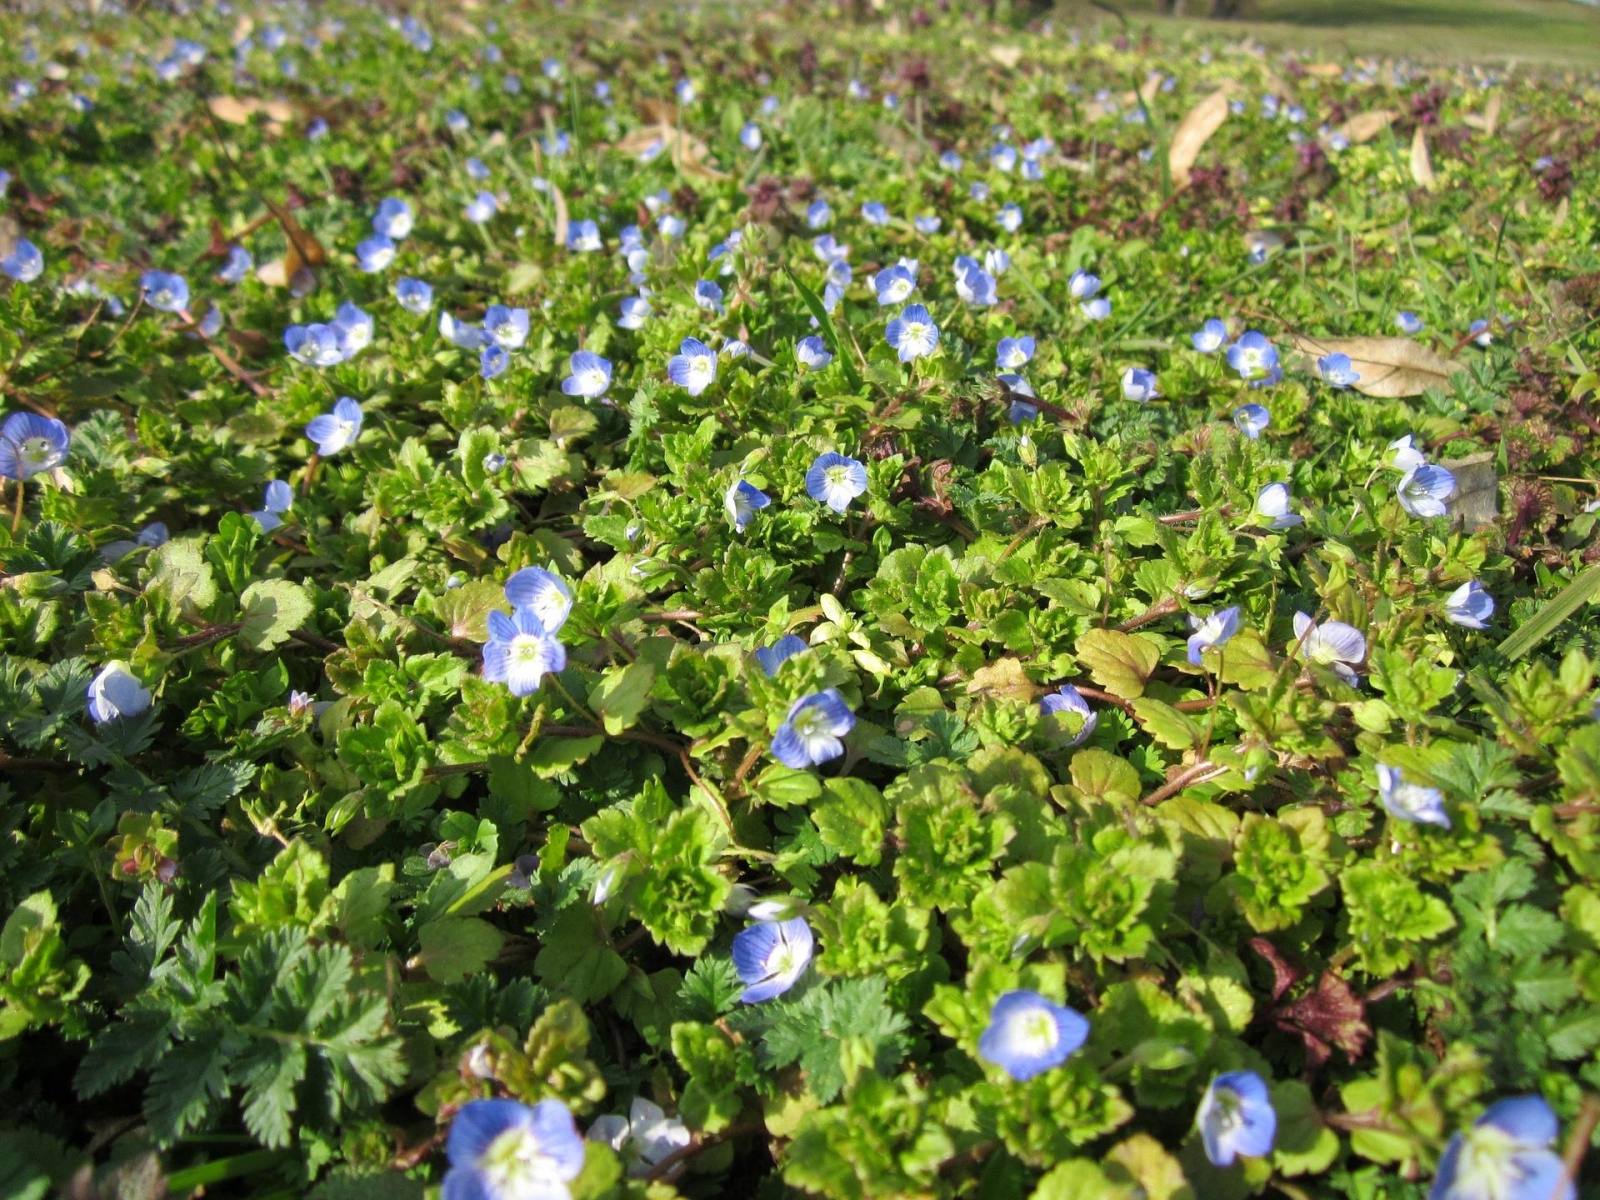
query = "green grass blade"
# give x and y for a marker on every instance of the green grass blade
(1543, 623)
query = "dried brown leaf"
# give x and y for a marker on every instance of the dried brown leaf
(1324, 70)
(1366, 126)
(690, 153)
(1196, 128)
(1389, 367)
(1421, 161)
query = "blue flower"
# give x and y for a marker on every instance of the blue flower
(1009, 218)
(750, 136)
(376, 253)
(1083, 285)
(976, 286)
(589, 375)
(277, 500)
(1410, 801)
(315, 345)
(1253, 356)
(393, 218)
(482, 208)
(771, 957)
(813, 352)
(818, 214)
(670, 226)
(1409, 322)
(354, 328)
(996, 261)
(1020, 410)
(894, 284)
(1210, 337)
(1028, 1035)
(542, 593)
(741, 501)
(1236, 1117)
(1423, 490)
(506, 327)
(1272, 502)
(1469, 606)
(708, 296)
(810, 735)
(506, 1150)
(1336, 370)
(926, 223)
(1332, 644)
(115, 692)
(979, 190)
(459, 333)
(238, 265)
(873, 212)
(633, 312)
(558, 143)
(1479, 330)
(164, 291)
(1211, 633)
(774, 656)
(316, 130)
(684, 90)
(1506, 1155)
(913, 333)
(30, 444)
(583, 237)
(492, 361)
(1003, 158)
(693, 367)
(1014, 353)
(1252, 420)
(476, 169)
(836, 480)
(1097, 309)
(1139, 384)
(520, 651)
(950, 160)
(334, 431)
(1066, 700)
(1404, 456)
(414, 295)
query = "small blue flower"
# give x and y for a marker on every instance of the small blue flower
(742, 500)
(769, 105)
(750, 136)
(1097, 309)
(873, 212)
(1009, 218)
(996, 261)
(1067, 700)
(1014, 353)
(1212, 633)
(506, 327)
(1082, 285)
(1028, 1035)
(670, 226)
(335, 430)
(979, 190)
(818, 214)
(414, 295)
(116, 692)
(557, 144)
(774, 656)
(459, 333)
(1236, 1117)
(1210, 337)
(835, 480)
(770, 957)
(316, 130)
(588, 375)
(810, 735)
(813, 352)
(238, 265)
(316, 345)
(31, 444)
(543, 593)
(1409, 322)
(976, 286)
(482, 208)
(708, 296)
(277, 500)
(376, 253)
(1423, 491)
(1469, 606)
(1410, 801)
(926, 223)
(913, 333)
(1003, 158)
(1480, 332)
(506, 1150)
(1506, 1155)
(1252, 420)
(1333, 644)
(1273, 503)
(583, 237)
(354, 327)
(1336, 370)
(950, 161)
(1253, 356)
(894, 285)
(493, 361)
(164, 291)
(633, 312)
(693, 367)
(1020, 410)
(393, 218)
(684, 90)
(1139, 384)
(520, 651)
(477, 170)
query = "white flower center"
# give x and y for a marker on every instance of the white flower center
(37, 452)
(527, 649)
(515, 1163)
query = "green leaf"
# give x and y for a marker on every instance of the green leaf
(457, 947)
(851, 819)
(622, 695)
(1119, 662)
(272, 610)
(575, 960)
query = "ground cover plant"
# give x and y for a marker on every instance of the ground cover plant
(647, 603)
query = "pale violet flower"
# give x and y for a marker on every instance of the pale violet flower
(1410, 801)
(589, 375)
(1333, 644)
(583, 237)
(354, 327)
(543, 593)
(633, 312)
(507, 1150)
(741, 501)
(30, 444)
(694, 367)
(1508, 1154)
(1068, 701)
(116, 692)
(506, 327)
(1014, 353)
(315, 345)
(1009, 218)
(812, 732)
(835, 480)
(1236, 1118)
(812, 352)
(1253, 357)
(1404, 456)
(375, 253)
(1028, 1035)
(818, 214)
(894, 285)
(520, 651)
(1469, 606)
(1424, 490)
(1082, 285)
(459, 333)
(708, 295)
(25, 263)
(873, 212)
(493, 361)
(482, 208)
(770, 957)
(1210, 337)
(1409, 322)
(926, 223)
(1336, 370)
(643, 1138)
(1252, 420)
(393, 218)
(277, 500)
(335, 430)
(774, 656)
(1273, 503)
(1139, 384)
(913, 333)
(1211, 633)
(1097, 309)
(750, 136)
(996, 261)
(414, 295)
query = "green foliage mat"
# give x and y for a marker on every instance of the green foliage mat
(268, 933)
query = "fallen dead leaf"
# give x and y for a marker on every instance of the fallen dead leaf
(1196, 128)
(1007, 56)
(1421, 161)
(1366, 126)
(1389, 367)
(689, 153)
(1489, 119)
(1324, 70)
